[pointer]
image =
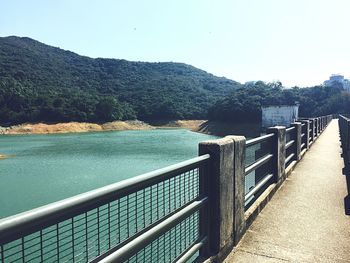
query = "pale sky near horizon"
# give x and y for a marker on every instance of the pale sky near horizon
(298, 42)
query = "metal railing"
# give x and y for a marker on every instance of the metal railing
(304, 137)
(344, 131)
(152, 217)
(261, 166)
(259, 153)
(159, 216)
(290, 145)
(311, 128)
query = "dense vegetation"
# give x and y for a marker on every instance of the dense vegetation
(244, 104)
(43, 83)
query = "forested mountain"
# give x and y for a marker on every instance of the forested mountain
(43, 83)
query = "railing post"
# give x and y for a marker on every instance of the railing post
(307, 133)
(297, 146)
(279, 152)
(323, 123)
(218, 223)
(315, 119)
(312, 125)
(316, 127)
(239, 224)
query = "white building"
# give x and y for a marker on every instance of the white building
(279, 115)
(346, 85)
(337, 79)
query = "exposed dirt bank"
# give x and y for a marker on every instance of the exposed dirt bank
(42, 128)
(202, 126)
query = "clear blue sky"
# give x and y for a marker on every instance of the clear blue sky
(299, 42)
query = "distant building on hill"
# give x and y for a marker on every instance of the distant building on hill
(252, 82)
(337, 80)
(282, 115)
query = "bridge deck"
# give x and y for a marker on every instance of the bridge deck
(306, 219)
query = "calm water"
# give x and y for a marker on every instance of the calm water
(45, 168)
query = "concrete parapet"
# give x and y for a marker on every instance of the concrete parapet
(279, 151)
(313, 129)
(219, 185)
(306, 129)
(297, 138)
(316, 127)
(239, 186)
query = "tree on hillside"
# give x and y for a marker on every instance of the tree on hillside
(108, 109)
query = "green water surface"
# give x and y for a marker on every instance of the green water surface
(42, 169)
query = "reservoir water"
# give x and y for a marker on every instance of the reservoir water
(41, 169)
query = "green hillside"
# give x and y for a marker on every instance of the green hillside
(44, 83)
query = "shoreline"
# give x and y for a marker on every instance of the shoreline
(216, 128)
(83, 127)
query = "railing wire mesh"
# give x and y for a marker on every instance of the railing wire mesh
(92, 233)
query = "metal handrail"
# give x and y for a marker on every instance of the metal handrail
(290, 129)
(191, 251)
(289, 158)
(290, 143)
(258, 187)
(258, 139)
(142, 241)
(17, 226)
(258, 164)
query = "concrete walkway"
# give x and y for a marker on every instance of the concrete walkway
(306, 220)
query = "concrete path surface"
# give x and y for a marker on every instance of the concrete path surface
(306, 220)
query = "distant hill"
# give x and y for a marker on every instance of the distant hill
(44, 83)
